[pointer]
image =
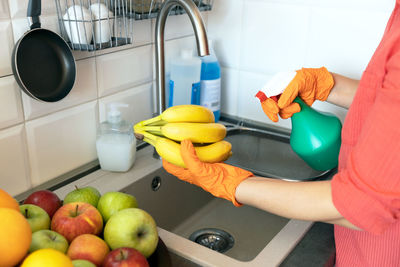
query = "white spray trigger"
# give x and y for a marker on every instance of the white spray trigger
(278, 83)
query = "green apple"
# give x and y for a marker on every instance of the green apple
(133, 228)
(85, 194)
(82, 263)
(37, 217)
(48, 239)
(112, 202)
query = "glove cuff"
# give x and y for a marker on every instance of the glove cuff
(244, 175)
(325, 83)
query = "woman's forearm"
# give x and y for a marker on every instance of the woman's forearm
(309, 201)
(343, 91)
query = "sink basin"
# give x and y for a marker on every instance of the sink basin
(183, 209)
(245, 234)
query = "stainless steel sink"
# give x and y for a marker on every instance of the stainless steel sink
(267, 152)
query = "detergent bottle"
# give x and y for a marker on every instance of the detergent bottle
(210, 93)
(315, 135)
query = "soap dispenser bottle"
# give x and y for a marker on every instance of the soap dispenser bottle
(115, 143)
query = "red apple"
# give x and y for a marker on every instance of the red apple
(45, 199)
(88, 247)
(77, 218)
(125, 257)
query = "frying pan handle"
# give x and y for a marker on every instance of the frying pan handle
(34, 11)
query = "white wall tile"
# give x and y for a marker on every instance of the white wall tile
(138, 99)
(274, 36)
(229, 91)
(10, 102)
(249, 106)
(14, 169)
(344, 45)
(62, 141)
(84, 90)
(142, 32)
(225, 29)
(178, 26)
(4, 11)
(6, 39)
(123, 70)
(18, 8)
(21, 25)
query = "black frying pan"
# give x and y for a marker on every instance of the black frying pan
(42, 62)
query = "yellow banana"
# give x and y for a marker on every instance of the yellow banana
(170, 150)
(196, 132)
(182, 113)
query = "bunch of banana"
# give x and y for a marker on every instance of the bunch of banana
(192, 122)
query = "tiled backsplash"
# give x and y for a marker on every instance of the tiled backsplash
(40, 141)
(253, 40)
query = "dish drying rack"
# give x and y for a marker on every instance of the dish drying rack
(90, 25)
(148, 9)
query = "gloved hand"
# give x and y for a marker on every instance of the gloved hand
(309, 84)
(219, 179)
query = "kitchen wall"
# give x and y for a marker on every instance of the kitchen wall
(40, 141)
(253, 40)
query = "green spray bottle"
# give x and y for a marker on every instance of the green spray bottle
(315, 136)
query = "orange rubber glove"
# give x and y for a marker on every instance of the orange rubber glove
(309, 84)
(219, 179)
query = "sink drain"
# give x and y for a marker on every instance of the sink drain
(216, 239)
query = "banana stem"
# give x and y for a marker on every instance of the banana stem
(152, 120)
(152, 129)
(149, 138)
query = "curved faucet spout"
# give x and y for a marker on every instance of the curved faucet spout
(201, 37)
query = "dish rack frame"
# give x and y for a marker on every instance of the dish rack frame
(90, 25)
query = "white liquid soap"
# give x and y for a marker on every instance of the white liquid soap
(116, 144)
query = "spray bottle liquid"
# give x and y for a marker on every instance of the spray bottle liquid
(115, 144)
(315, 136)
(210, 93)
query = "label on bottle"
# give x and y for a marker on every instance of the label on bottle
(210, 95)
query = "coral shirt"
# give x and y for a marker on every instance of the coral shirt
(366, 189)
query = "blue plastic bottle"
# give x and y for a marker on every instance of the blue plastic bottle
(210, 80)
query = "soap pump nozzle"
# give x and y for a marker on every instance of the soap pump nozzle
(114, 115)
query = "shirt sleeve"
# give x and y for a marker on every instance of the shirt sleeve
(367, 191)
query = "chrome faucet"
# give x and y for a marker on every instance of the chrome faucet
(201, 37)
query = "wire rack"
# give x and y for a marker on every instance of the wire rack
(89, 25)
(147, 9)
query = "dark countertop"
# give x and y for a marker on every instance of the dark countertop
(317, 248)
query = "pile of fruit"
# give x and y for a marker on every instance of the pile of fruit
(192, 122)
(86, 229)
